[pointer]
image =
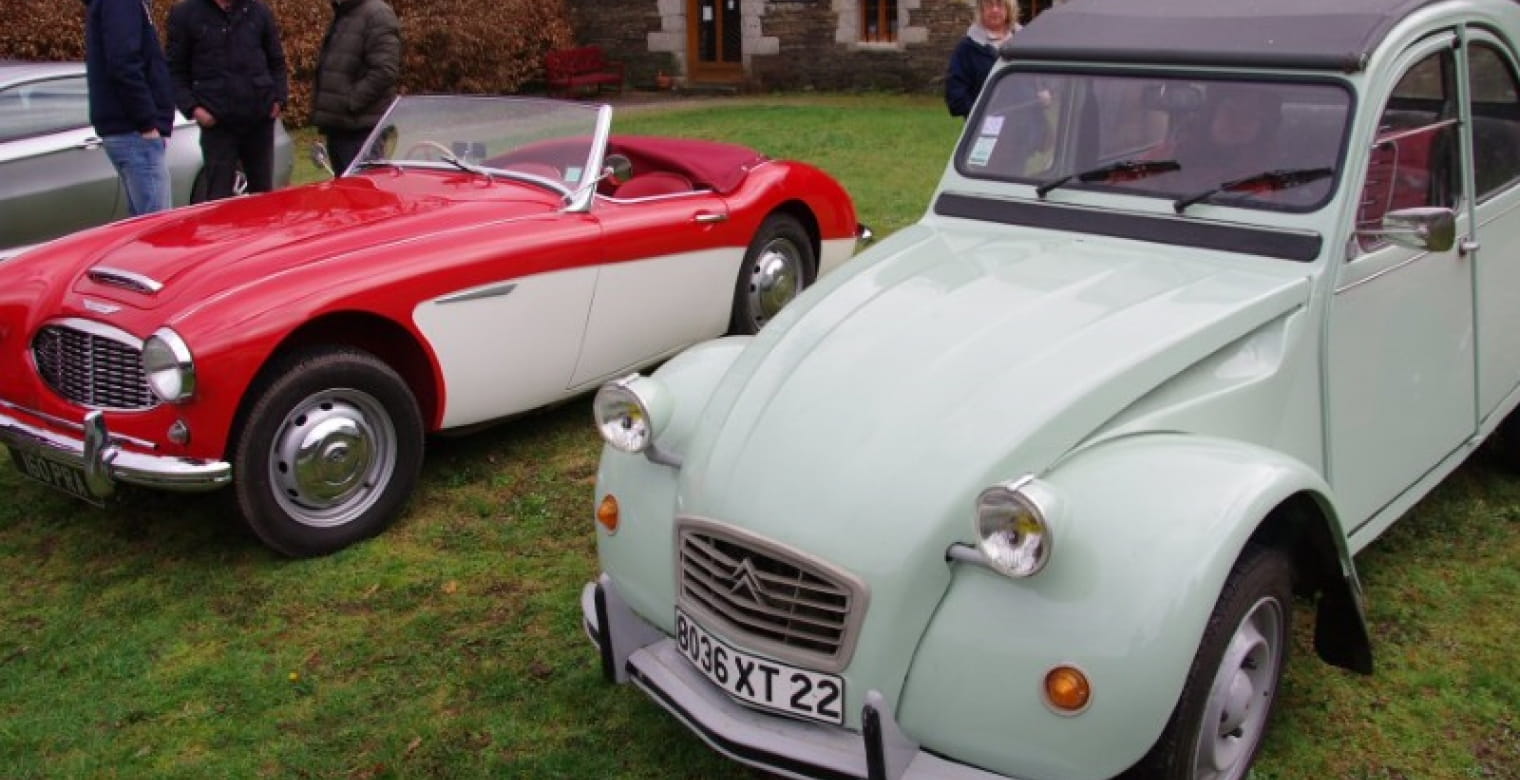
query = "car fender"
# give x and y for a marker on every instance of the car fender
(641, 555)
(1145, 530)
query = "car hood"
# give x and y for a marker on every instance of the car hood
(945, 363)
(199, 251)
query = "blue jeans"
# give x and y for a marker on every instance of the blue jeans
(144, 170)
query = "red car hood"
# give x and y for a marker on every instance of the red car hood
(202, 250)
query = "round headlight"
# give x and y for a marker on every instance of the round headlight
(1011, 531)
(168, 366)
(622, 417)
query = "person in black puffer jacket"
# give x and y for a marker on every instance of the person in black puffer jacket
(356, 75)
(229, 76)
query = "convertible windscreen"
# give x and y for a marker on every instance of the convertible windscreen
(1186, 140)
(544, 139)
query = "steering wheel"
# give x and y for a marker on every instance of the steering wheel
(425, 149)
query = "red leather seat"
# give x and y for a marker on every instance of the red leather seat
(644, 185)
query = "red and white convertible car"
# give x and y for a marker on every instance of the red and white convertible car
(482, 257)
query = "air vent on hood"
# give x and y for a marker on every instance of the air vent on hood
(132, 281)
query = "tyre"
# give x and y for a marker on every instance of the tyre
(1231, 689)
(328, 453)
(1506, 442)
(777, 266)
(198, 187)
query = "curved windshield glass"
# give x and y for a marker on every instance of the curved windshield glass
(1254, 144)
(548, 141)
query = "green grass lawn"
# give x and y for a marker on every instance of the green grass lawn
(159, 639)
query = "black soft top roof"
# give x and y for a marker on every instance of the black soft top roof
(1312, 34)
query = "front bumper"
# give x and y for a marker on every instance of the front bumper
(634, 651)
(104, 462)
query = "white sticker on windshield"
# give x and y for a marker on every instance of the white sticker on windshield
(992, 125)
(573, 174)
(981, 151)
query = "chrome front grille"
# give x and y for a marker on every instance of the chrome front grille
(92, 365)
(779, 601)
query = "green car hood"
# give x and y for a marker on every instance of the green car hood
(861, 428)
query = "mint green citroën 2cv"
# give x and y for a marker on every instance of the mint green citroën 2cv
(1211, 292)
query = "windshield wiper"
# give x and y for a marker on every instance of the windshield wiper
(1280, 179)
(1133, 168)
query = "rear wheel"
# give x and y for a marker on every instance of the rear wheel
(1506, 441)
(1231, 690)
(777, 266)
(329, 452)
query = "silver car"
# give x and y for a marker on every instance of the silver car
(54, 174)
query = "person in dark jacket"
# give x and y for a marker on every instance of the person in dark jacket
(356, 75)
(229, 76)
(977, 52)
(131, 98)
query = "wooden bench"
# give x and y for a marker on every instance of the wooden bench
(575, 70)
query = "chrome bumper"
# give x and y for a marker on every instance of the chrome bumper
(634, 651)
(105, 463)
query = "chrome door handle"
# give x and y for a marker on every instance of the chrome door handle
(88, 143)
(708, 218)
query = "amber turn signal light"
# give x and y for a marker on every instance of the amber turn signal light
(607, 513)
(1067, 690)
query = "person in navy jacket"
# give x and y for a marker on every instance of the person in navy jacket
(975, 54)
(131, 98)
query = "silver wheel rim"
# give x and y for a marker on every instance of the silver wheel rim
(333, 455)
(775, 278)
(1235, 715)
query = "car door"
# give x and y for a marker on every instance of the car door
(1495, 102)
(54, 176)
(667, 279)
(1400, 359)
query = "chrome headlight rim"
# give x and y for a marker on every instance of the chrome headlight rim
(1012, 529)
(623, 416)
(168, 366)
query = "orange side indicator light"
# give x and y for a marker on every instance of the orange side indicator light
(1067, 690)
(607, 513)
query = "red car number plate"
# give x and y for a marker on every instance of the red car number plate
(760, 681)
(61, 476)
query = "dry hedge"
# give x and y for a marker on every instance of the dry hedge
(476, 46)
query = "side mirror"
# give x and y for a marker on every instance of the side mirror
(320, 157)
(1431, 228)
(617, 166)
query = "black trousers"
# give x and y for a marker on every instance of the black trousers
(226, 146)
(343, 146)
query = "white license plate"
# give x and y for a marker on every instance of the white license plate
(69, 479)
(761, 681)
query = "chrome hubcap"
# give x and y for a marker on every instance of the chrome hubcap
(775, 279)
(1234, 718)
(332, 457)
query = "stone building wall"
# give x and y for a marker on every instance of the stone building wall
(818, 49)
(622, 28)
(788, 44)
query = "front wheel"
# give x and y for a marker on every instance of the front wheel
(777, 265)
(1231, 690)
(329, 452)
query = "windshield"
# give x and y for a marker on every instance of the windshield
(1254, 144)
(546, 141)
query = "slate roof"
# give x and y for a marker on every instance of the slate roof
(1311, 34)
